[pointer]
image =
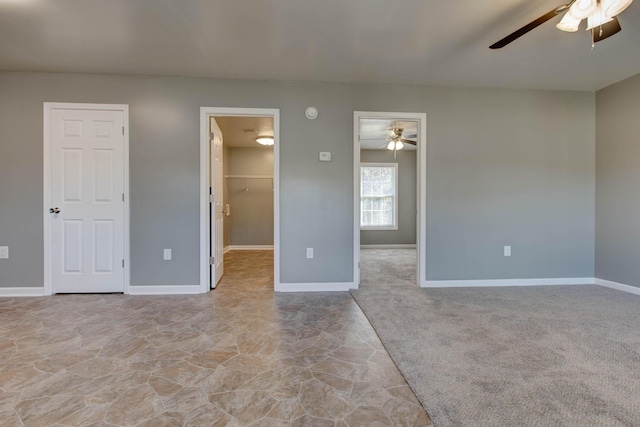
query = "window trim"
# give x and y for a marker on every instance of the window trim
(393, 227)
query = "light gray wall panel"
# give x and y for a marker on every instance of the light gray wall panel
(503, 167)
(618, 182)
(406, 232)
(251, 200)
(21, 216)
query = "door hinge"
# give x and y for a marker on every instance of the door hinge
(212, 260)
(122, 130)
(123, 197)
(211, 135)
(122, 263)
(211, 198)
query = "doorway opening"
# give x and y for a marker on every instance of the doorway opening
(389, 198)
(239, 203)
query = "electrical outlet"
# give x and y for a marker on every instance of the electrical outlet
(167, 254)
(4, 252)
(309, 252)
(507, 251)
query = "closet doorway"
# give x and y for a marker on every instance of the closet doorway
(389, 202)
(239, 157)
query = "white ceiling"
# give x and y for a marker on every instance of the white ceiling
(243, 131)
(374, 133)
(407, 41)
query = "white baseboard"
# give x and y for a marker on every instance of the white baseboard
(21, 292)
(398, 246)
(164, 290)
(248, 248)
(507, 282)
(619, 286)
(315, 287)
(346, 286)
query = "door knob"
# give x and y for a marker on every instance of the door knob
(54, 210)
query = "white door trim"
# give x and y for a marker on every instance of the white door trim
(421, 225)
(48, 108)
(205, 113)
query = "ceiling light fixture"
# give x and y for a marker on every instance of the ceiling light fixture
(265, 140)
(582, 9)
(569, 23)
(395, 145)
(612, 8)
(597, 19)
(596, 12)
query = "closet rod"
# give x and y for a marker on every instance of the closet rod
(250, 176)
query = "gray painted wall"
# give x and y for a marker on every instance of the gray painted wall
(251, 200)
(406, 232)
(503, 167)
(618, 182)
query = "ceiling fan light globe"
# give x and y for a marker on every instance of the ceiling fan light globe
(613, 8)
(399, 145)
(569, 23)
(391, 145)
(597, 18)
(582, 9)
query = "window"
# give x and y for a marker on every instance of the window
(378, 196)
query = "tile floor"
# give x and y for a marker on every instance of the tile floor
(238, 356)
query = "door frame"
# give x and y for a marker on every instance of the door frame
(48, 109)
(421, 189)
(205, 232)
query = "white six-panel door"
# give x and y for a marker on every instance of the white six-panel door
(86, 245)
(217, 214)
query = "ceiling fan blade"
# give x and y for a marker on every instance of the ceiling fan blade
(606, 30)
(530, 26)
(408, 141)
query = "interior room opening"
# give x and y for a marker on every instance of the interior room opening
(242, 210)
(388, 201)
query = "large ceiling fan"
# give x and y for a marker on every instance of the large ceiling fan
(601, 16)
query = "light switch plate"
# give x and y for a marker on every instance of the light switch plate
(325, 156)
(4, 252)
(507, 251)
(167, 254)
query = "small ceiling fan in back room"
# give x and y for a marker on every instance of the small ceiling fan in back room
(601, 16)
(396, 139)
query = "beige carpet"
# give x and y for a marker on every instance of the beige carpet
(387, 267)
(535, 356)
